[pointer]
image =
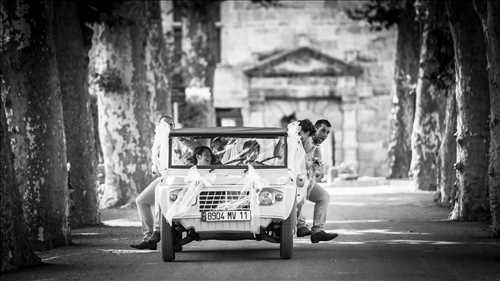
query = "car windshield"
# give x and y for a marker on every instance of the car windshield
(227, 152)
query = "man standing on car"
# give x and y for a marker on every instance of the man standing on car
(315, 192)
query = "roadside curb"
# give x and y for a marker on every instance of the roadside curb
(365, 182)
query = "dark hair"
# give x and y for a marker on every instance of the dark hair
(307, 126)
(218, 141)
(198, 151)
(251, 144)
(322, 122)
(166, 116)
(285, 120)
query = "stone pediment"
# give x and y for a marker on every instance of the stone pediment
(303, 61)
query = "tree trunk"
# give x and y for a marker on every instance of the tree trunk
(122, 133)
(157, 63)
(95, 119)
(489, 12)
(448, 153)
(473, 108)
(430, 96)
(15, 248)
(131, 95)
(199, 49)
(72, 60)
(407, 56)
(30, 68)
(13, 86)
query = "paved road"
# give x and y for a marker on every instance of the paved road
(386, 233)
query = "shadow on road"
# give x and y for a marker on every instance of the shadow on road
(386, 233)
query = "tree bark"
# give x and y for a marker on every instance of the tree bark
(406, 72)
(473, 108)
(95, 119)
(29, 67)
(157, 61)
(130, 84)
(15, 249)
(448, 153)
(122, 134)
(72, 61)
(489, 12)
(430, 95)
(13, 86)
(199, 50)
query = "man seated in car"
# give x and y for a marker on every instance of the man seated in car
(218, 145)
(251, 150)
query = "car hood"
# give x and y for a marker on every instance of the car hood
(230, 176)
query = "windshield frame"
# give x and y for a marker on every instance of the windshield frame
(221, 166)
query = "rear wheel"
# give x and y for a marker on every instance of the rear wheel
(286, 234)
(167, 241)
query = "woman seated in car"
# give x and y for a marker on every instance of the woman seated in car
(202, 156)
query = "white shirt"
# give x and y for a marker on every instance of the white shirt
(160, 149)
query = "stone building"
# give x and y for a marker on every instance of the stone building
(308, 58)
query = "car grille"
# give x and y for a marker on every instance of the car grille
(210, 200)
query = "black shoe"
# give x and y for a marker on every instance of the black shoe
(303, 231)
(178, 248)
(145, 245)
(155, 237)
(322, 236)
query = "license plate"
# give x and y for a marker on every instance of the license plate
(225, 216)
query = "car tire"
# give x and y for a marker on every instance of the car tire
(286, 234)
(167, 241)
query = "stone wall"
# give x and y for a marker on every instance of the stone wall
(301, 87)
(372, 135)
(251, 33)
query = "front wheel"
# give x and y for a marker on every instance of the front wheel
(167, 241)
(286, 234)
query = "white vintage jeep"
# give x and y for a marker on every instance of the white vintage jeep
(230, 199)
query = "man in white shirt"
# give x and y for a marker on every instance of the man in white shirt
(315, 192)
(146, 199)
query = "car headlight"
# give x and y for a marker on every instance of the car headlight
(174, 194)
(278, 196)
(269, 196)
(266, 198)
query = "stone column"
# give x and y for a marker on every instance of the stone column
(350, 136)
